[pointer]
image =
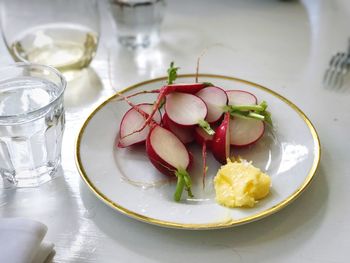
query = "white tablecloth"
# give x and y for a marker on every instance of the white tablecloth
(284, 45)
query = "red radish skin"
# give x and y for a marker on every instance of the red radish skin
(220, 145)
(241, 97)
(133, 120)
(185, 134)
(216, 99)
(244, 132)
(190, 88)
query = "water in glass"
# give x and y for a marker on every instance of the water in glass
(31, 128)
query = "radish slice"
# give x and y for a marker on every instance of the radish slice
(241, 97)
(166, 151)
(244, 132)
(185, 134)
(220, 145)
(185, 109)
(190, 88)
(168, 89)
(133, 120)
(215, 98)
(170, 156)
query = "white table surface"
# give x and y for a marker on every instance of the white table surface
(283, 45)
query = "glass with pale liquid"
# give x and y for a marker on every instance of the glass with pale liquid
(60, 33)
(31, 124)
(138, 21)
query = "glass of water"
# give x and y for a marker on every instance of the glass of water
(60, 33)
(138, 21)
(31, 124)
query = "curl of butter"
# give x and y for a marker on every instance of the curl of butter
(240, 184)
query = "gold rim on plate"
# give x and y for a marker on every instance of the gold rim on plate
(217, 225)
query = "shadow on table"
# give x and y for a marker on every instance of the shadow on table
(286, 230)
(23, 201)
(84, 87)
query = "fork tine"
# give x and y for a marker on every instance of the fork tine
(338, 68)
(337, 76)
(334, 59)
(337, 80)
(343, 68)
(327, 79)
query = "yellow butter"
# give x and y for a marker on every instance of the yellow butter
(240, 184)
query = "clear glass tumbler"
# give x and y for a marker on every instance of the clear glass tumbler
(31, 124)
(60, 33)
(138, 21)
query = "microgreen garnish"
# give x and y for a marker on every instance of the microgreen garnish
(172, 73)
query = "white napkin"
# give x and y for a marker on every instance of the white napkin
(21, 241)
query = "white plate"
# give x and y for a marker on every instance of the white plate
(125, 179)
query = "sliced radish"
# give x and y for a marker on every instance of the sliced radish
(244, 132)
(133, 120)
(190, 88)
(185, 134)
(220, 145)
(185, 109)
(216, 99)
(166, 151)
(170, 156)
(160, 146)
(241, 97)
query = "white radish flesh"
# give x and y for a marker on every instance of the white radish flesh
(216, 99)
(244, 132)
(132, 120)
(185, 109)
(168, 149)
(170, 156)
(241, 97)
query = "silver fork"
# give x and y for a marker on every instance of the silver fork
(339, 66)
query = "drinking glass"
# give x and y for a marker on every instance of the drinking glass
(31, 124)
(138, 21)
(60, 33)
